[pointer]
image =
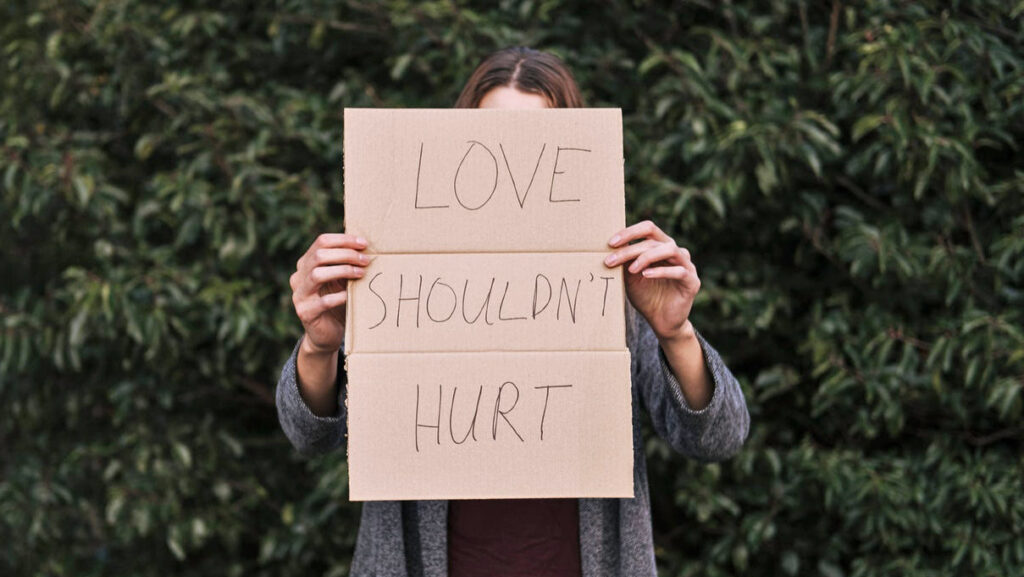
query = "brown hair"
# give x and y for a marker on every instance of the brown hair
(526, 70)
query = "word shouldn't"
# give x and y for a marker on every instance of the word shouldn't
(464, 427)
(438, 299)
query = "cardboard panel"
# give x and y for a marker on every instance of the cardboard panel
(487, 302)
(488, 228)
(425, 181)
(432, 426)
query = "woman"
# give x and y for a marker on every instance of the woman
(694, 401)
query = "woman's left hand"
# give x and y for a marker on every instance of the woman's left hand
(661, 280)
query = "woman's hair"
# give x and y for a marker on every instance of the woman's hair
(526, 70)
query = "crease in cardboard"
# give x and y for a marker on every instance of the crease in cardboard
(499, 252)
(485, 351)
(533, 397)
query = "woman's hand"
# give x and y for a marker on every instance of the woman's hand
(661, 280)
(320, 288)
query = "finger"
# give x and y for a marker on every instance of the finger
(629, 252)
(669, 272)
(310, 308)
(645, 229)
(322, 274)
(339, 240)
(690, 266)
(333, 300)
(329, 256)
(667, 252)
(688, 261)
(685, 253)
(675, 273)
(317, 253)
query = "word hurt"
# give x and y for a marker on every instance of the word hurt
(506, 399)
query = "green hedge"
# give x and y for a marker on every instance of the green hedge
(848, 177)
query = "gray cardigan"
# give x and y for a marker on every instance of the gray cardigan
(409, 538)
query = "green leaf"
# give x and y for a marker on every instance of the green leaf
(866, 124)
(182, 454)
(175, 546)
(145, 146)
(401, 63)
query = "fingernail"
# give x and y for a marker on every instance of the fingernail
(609, 260)
(361, 240)
(614, 241)
(647, 272)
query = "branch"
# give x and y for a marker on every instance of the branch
(861, 194)
(993, 437)
(260, 390)
(974, 236)
(833, 26)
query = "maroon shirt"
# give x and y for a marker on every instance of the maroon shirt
(514, 538)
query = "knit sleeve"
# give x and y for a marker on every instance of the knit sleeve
(309, 434)
(713, 433)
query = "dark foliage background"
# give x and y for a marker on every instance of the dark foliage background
(848, 176)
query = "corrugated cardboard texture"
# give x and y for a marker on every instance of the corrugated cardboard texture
(488, 230)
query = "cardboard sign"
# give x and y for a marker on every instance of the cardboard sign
(487, 302)
(485, 346)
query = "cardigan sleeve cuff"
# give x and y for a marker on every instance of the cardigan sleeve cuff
(676, 390)
(309, 433)
(294, 398)
(296, 394)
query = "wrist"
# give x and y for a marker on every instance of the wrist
(309, 349)
(684, 333)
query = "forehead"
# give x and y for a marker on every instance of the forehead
(508, 97)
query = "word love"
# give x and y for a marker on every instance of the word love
(474, 181)
(463, 427)
(443, 300)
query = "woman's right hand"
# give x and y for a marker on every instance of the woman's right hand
(320, 288)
